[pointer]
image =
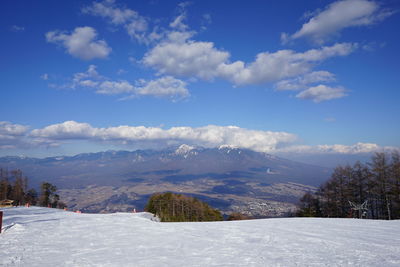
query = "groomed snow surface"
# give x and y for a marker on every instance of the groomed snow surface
(49, 237)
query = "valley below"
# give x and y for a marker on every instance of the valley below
(257, 200)
(229, 179)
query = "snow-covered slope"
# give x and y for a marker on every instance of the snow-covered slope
(48, 237)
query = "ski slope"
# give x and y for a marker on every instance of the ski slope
(49, 237)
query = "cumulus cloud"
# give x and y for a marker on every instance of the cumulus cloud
(108, 9)
(163, 87)
(113, 88)
(202, 60)
(89, 78)
(166, 86)
(81, 43)
(301, 82)
(186, 58)
(177, 54)
(338, 16)
(11, 134)
(321, 93)
(8, 129)
(136, 26)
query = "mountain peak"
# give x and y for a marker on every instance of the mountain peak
(228, 147)
(185, 150)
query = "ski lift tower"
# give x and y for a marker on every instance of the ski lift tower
(361, 208)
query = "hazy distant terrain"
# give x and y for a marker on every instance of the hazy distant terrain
(230, 179)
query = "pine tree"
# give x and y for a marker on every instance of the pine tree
(48, 196)
(4, 184)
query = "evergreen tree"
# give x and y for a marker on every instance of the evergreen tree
(309, 206)
(4, 184)
(19, 188)
(31, 197)
(171, 207)
(48, 196)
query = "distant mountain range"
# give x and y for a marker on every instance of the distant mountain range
(229, 178)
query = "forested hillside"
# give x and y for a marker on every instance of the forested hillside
(171, 207)
(369, 190)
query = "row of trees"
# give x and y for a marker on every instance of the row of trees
(171, 207)
(377, 184)
(14, 186)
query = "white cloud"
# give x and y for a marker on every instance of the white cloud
(89, 78)
(81, 43)
(301, 82)
(270, 67)
(11, 134)
(338, 16)
(107, 9)
(208, 136)
(166, 86)
(321, 93)
(135, 25)
(202, 60)
(353, 149)
(358, 148)
(188, 58)
(178, 23)
(113, 87)
(8, 129)
(138, 29)
(163, 87)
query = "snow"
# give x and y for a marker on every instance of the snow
(50, 237)
(184, 150)
(229, 147)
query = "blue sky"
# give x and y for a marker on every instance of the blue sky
(306, 77)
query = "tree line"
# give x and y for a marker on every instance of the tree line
(375, 184)
(14, 186)
(170, 207)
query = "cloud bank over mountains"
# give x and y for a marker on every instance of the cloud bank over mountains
(131, 137)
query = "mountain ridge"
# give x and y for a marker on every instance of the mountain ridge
(229, 176)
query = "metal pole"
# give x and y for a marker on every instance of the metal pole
(1, 219)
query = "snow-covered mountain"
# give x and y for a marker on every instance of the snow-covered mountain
(48, 237)
(115, 166)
